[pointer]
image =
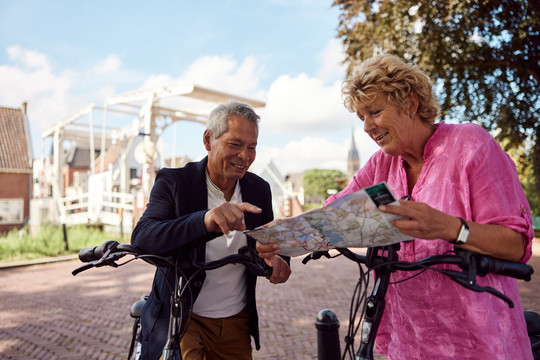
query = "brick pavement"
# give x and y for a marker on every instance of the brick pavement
(46, 313)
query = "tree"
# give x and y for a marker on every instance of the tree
(484, 56)
(317, 182)
(526, 177)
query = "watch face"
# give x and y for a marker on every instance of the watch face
(463, 233)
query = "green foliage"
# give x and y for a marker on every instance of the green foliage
(49, 241)
(533, 197)
(526, 175)
(311, 206)
(317, 182)
(484, 55)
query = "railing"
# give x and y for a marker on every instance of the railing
(107, 208)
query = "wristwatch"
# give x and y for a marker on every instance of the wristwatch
(463, 233)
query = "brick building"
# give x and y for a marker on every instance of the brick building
(15, 168)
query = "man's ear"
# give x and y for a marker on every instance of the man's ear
(207, 137)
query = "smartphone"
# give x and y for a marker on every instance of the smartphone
(380, 194)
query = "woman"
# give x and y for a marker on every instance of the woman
(457, 179)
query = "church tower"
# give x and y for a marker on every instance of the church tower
(353, 160)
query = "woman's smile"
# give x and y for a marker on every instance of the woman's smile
(380, 137)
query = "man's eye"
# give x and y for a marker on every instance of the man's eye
(234, 145)
(376, 112)
(361, 117)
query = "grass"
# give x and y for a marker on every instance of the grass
(49, 241)
(311, 206)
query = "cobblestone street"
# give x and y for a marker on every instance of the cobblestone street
(46, 313)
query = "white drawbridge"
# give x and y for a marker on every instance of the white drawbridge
(108, 193)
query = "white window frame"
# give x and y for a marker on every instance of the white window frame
(11, 211)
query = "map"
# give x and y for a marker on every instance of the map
(350, 221)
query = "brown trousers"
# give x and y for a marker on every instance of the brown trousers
(217, 339)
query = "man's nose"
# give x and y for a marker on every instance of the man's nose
(244, 154)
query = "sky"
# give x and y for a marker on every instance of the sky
(61, 55)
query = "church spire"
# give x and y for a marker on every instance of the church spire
(353, 160)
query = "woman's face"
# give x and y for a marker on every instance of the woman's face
(390, 126)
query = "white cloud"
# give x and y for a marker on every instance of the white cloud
(305, 124)
(308, 152)
(27, 58)
(298, 103)
(157, 80)
(222, 73)
(310, 120)
(311, 152)
(225, 73)
(303, 116)
(51, 94)
(30, 78)
(332, 66)
(111, 64)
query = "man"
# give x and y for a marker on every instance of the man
(202, 209)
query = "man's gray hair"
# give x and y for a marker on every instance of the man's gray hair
(218, 123)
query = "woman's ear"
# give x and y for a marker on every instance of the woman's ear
(413, 103)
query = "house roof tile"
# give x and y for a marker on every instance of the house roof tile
(14, 148)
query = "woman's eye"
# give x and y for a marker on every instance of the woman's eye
(376, 112)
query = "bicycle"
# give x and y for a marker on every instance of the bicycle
(108, 254)
(382, 261)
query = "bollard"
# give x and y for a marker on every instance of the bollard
(66, 247)
(327, 325)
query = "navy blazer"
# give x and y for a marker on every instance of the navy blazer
(172, 225)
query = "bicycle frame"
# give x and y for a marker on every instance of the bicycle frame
(375, 303)
(382, 261)
(110, 252)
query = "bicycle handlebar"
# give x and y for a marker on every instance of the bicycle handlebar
(110, 251)
(95, 253)
(488, 265)
(464, 259)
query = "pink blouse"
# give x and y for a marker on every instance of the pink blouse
(466, 174)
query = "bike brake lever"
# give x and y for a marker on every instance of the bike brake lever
(82, 268)
(106, 260)
(464, 281)
(316, 255)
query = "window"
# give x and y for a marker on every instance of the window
(11, 211)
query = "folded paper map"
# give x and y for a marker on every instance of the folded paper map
(350, 221)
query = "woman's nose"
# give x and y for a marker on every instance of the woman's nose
(369, 124)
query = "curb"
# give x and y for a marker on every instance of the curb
(16, 264)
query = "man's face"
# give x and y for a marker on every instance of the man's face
(231, 155)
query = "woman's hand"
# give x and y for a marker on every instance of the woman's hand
(424, 222)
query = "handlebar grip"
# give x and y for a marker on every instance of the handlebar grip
(96, 252)
(514, 269)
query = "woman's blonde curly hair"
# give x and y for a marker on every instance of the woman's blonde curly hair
(391, 76)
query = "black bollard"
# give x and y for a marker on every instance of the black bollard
(66, 246)
(327, 325)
